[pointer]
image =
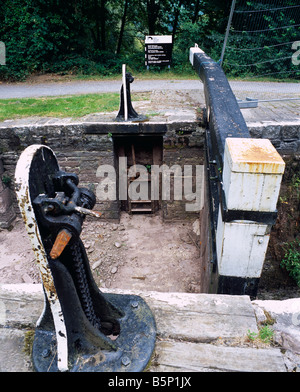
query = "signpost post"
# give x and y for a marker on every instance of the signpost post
(158, 50)
(2, 53)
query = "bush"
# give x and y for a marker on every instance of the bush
(291, 260)
(66, 37)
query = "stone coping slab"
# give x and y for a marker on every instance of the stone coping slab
(190, 328)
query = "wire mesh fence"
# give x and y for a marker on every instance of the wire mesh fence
(263, 40)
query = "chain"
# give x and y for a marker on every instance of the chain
(84, 292)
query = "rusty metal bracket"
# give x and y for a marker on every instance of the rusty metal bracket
(81, 328)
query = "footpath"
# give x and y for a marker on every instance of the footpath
(175, 101)
(195, 332)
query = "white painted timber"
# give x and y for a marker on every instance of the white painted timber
(124, 92)
(241, 248)
(27, 211)
(252, 176)
(193, 51)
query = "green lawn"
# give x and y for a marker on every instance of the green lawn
(146, 75)
(64, 106)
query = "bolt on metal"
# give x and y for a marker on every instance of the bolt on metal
(125, 361)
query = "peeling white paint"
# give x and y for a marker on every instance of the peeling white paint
(252, 176)
(241, 248)
(26, 208)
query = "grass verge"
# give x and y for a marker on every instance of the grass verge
(64, 106)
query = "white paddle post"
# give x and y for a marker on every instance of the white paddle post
(124, 92)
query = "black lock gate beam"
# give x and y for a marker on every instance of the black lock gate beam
(223, 112)
(223, 120)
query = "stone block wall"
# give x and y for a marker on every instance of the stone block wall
(82, 148)
(76, 151)
(7, 213)
(285, 137)
(183, 145)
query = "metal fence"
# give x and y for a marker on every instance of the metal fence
(263, 39)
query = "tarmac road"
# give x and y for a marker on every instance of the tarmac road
(22, 90)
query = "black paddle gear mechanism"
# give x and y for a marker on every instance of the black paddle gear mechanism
(81, 328)
(126, 106)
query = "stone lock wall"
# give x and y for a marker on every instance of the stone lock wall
(76, 151)
(7, 212)
(285, 137)
(184, 146)
(82, 148)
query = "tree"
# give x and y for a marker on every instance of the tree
(196, 11)
(103, 16)
(153, 7)
(177, 9)
(126, 3)
(97, 36)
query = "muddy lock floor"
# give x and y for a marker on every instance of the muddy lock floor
(140, 253)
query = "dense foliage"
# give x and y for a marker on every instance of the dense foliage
(97, 36)
(291, 260)
(264, 33)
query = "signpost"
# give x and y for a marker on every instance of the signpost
(2, 53)
(158, 50)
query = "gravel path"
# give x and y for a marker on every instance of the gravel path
(22, 90)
